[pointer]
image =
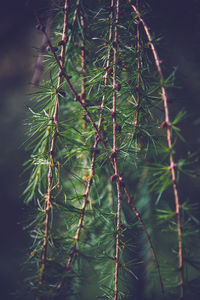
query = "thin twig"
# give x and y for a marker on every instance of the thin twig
(114, 153)
(138, 215)
(51, 152)
(172, 166)
(75, 11)
(138, 87)
(83, 66)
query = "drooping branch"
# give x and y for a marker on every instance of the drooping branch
(92, 167)
(84, 106)
(83, 67)
(114, 152)
(82, 56)
(75, 11)
(166, 124)
(51, 152)
(138, 87)
(138, 215)
(75, 94)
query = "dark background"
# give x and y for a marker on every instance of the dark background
(179, 23)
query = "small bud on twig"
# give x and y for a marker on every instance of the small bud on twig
(113, 177)
(61, 43)
(172, 166)
(77, 98)
(114, 153)
(165, 124)
(113, 113)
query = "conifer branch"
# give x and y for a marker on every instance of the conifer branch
(120, 178)
(75, 94)
(78, 98)
(89, 183)
(75, 11)
(172, 166)
(83, 67)
(138, 87)
(52, 150)
(92, 167)
(138, 215)
(59, 135)
(114, 153)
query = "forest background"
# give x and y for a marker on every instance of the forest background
(177, 21)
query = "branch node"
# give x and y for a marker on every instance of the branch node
(172, 166)
(165, 124)
(77, 98)
(113, 177)
(61, 43)
(113, 113)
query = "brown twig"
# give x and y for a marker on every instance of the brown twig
(51, 152)
(83, 67)
(114, 153)
(120, 180)
(171, 157)
(138, 87)
(138, 215)
(75, 11)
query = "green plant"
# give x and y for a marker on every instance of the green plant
(96, 135)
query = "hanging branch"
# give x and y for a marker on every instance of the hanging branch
(138, 215)
(138, 87)
(75, 12)
(120, 178)
(166, 124)
(75, 94)
(114, 152)
(86, 194)
(52, 149)
(84, 106)
(83, 67)
(92, 167)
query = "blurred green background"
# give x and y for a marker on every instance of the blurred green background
(178, 21)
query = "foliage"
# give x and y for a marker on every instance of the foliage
(107, 218)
